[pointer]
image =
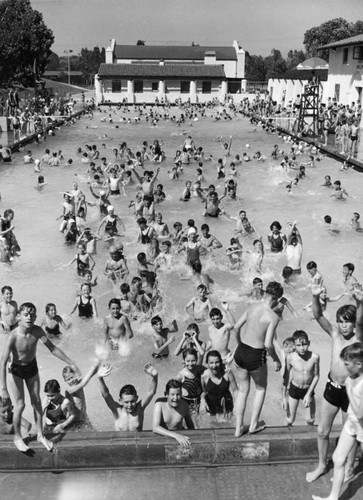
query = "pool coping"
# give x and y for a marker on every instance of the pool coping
(89, 450)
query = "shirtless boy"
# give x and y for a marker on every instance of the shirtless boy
(219, 332)
(170, 412)
(8, 310)
(201, 304)
(116, 325)
(250, 356)
(294, 249)
(160, 335)
(303, 368)
(335, 398)
(21, 349)
(128, 413)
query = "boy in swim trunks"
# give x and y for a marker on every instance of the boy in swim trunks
(8, 310)
(160, 335)
(21, 349)
(128, 412)
(303, 367)
(250, 355)
(348, 329)
(219, 332)
(116, 325)
(201, 304)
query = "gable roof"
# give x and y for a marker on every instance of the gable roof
(174, 52)
(353, 40)
(158, 71)
(303, 74)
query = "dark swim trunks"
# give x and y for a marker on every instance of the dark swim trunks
(249, 358)
(24, 372)
(297, 392)
(336, 395)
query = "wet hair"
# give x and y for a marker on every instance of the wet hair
(353, 352)
(214, 354)
(215, 312)
(124, 288)
(6, 287)
(194, 327)
(277, 224)
(337, 183)
(202, 287)
(135, 279)
(68, 370)
(350, 267)
(275, 289)
(9, 211)
(347, 313)
(141, 256)
(28, 306)
(287, 271)
(327, 219)
(114, 301)
(166, 242)
(256, 280)
(141, 220)
(128, 390)
(87, 285)
(300, 335)
(311, 265)
(49, 306)
(190, 351)
(204, 226)
(191, 223)
(155, 320)
(172, 384)
(357, 215)
(52, 386)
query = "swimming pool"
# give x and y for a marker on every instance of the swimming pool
(39, 275)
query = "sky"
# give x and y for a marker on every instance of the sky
(258, 25)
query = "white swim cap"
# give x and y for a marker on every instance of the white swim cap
(37, 162)
(247, 145)
(102, 193)
(110, 208)
(191, 230)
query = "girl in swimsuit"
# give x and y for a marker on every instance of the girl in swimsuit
(58, 411)
(84, 260)
(277, 239)
(85, 303)
(217, 381)
(52, 321)
(190, 377)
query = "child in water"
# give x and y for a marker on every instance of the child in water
(85, 303)
(52, 321)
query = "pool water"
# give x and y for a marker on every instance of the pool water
(40, 276)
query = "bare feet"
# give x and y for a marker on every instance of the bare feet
(258, 428)
(310, 421)
(20, 445)
(239, 432)
(312, 476)
(48, 445)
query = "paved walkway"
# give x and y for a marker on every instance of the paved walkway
(263, 482)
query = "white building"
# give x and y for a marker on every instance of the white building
(142, 73)
(345, 78)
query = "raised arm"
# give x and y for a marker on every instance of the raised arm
(58, 353)
(91, 372)
(137, 175)
(317, 310)
(111, 403)
(150, 370)
(358, 295)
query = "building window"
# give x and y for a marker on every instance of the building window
(184, 87)
(345, 55)
(116, 85)
(337, 91)
(155, 86)
(138, 86)
(357, 52)
(206, 87)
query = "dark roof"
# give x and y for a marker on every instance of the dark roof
(303, 74)
(160, 71)
(59, 72)
(353, 40)
(175, 52)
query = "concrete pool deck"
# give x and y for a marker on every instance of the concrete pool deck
(90, 450)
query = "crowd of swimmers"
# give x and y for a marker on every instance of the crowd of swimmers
(214, 378)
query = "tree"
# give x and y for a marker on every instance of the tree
(256, 70)
(295, 57)
(329, 32)
(25, 43)
(90, 60)
(275, 64)
(53, 62)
